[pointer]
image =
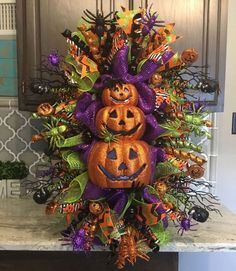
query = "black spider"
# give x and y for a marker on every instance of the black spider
(99, 21)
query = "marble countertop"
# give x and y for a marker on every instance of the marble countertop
(25, 226)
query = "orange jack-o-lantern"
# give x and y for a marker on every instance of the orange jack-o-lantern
(119, 165)
(120, 94)
(123, 121)
(189, 56)
(96, 208)
(156, 79)
(161, 188)
(45, 109)
(195, 171)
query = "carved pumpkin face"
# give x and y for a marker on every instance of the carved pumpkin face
(95, 208)
(118, 165)
(161, 188)
(45, 109)
(195, 171)
(156, 79)
(122, 120)
(120, 94)
(189, 56)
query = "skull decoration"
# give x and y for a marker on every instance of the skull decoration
(119, 165)
(161, 188)
(189, 56)
(120, 94)
(156, 79)
(122, 120)
(95, 208)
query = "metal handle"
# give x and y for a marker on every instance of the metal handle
(23, 87)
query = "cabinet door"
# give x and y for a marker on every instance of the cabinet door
(201, 23)
(39, 27)
(63, 261)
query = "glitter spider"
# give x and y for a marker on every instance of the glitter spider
(149, 21)
(76, 238)
(98, 21)
(185, 225)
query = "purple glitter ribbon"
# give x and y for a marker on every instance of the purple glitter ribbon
(146, 100)
(146, 94)
(153, 129)
(120, 66)
(93, 192)
(157, 155)
(84, 150)
(116, 198)
(101, 82)
(86, 109)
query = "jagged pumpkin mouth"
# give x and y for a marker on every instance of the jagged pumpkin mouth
(120, 101)
(123, 132)
(113, 177)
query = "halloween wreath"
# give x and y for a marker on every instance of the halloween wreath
(121, 127)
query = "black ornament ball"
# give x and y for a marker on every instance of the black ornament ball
(160, 116)
(130, 214)
(155, 247)
(39, 88)
(199, 214)
(209, 86)
(41, 195)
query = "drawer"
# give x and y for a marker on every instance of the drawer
(7, 48)
(8, 86)
(8, 67)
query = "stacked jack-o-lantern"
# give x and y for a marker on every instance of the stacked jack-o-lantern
(124, 162)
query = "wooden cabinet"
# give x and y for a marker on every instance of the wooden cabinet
(39, 27)
(8, 74)
(202, 23)
(63, 261)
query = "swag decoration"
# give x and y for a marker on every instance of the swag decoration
(121, 127)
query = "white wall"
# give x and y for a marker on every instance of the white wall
(207, 261)
(226, 169)
(226, 163)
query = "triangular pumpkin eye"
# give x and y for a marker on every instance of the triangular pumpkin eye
(130, 114)
(113, 114)
(112, 154)
(116, 89)
(132, 154)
